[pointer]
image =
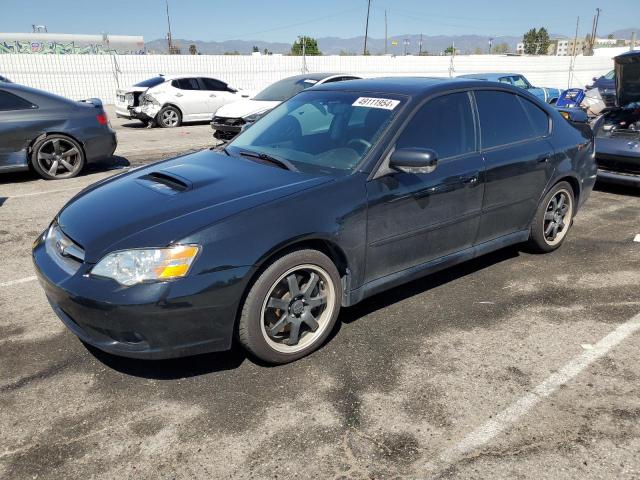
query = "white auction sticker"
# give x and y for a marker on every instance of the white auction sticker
(385, 103)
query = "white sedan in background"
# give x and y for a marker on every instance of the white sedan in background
(168, 101)
(231, 119)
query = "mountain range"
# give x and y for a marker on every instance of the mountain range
(434, 44)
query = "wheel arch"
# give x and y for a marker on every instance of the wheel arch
(55, 132)
(171, 104)
(323, 245)
(575, 186)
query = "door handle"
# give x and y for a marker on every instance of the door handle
(471, 179)
(213, 95)
(544, 157)
(178, 94)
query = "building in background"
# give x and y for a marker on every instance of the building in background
(64, 43)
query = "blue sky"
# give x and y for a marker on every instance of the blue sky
(283, 20)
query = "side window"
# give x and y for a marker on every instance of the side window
(312, 119)
(539, 118)
(9, 101)
(186, 84)
(520, 81)
(503, 119)
(444, 124)
(213, 85)
(505, 80)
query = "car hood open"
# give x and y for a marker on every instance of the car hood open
(164, 202)
(627, 77)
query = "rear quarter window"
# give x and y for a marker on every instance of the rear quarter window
(9, 102)
(539, 118)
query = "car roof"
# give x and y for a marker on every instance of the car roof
(490, 76)
(318, 76)
(412, 86)
(37, 93)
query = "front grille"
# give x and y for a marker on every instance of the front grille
(228, 121)
(64, 251)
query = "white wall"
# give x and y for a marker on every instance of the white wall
(84, 76)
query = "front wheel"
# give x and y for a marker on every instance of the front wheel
(291, 308)
(553, 218)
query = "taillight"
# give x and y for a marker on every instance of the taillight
(102, 118)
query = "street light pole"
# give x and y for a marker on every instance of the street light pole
(366, 28)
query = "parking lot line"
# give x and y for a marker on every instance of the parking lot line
(506, 418)
(20, 280)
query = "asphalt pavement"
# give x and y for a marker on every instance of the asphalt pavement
(513, 365)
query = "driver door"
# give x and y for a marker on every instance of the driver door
(414, 218)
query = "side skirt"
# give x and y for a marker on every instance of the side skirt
(392, 280)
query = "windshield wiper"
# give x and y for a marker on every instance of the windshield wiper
(280, 162)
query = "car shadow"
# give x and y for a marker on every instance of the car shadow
(138, 125)
(175, 368)
(626, 190)
(196, 365)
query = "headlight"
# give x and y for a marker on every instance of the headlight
(255, 116)
(129, 267)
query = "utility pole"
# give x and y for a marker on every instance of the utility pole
(385, 32)
(420, 50)
(595, 28)
(366, 28)
(490, 45)
(169, 42)
(573, 54)
(633, 41)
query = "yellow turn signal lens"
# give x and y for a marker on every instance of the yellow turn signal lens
(176, 261)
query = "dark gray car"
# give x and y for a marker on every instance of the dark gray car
(617, 131)
(53, 135)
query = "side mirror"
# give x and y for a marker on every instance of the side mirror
(414, 160)
(595, 79)
(575, 115)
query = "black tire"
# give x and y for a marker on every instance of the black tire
(169, 117)
(259, 315)
(57, 157)
(550, 226)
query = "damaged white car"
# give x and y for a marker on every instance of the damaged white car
(168, 101)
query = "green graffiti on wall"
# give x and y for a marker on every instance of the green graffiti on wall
(56, 48)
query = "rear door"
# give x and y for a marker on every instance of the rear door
(414, 218)
(517, 159)
(192, 100)
(18, 119)
(217, 93)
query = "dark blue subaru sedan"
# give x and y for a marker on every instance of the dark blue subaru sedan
(337, 194)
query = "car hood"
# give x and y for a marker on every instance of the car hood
(162, 203)
(244, 108)
(627, 78)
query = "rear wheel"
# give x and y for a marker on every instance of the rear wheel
(169, 117)
(553, 218)
(56, 157)
(291, 308)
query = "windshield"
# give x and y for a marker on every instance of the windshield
(150, 82)
(323, 130)
(284, 89)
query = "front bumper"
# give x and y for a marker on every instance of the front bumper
(619, 178)
(152, 321)
(227, 128)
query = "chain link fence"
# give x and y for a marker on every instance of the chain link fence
(85, 76)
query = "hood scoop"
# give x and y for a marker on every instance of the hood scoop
(165, 182)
